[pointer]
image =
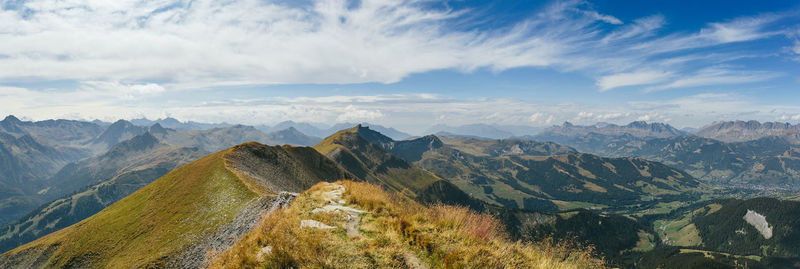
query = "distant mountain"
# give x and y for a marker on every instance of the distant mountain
(197, 209)
(601, 139)
(102, 180)
(25, 165)
(318, 130)
(53, 132)
(505, 147)
(293, 137)
(639, 129)
(173, 123)
(767, 161)
(119, 131)
(306, 128)
(473, 130)
(739, 131)
(220, 138)
(387, 131)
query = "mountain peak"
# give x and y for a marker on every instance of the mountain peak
(158, 129)
(120, 124)
(638, 124)
(137, 143)
(11, 119)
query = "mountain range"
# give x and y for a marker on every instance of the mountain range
(741, 131)
(645, 195)
(357, 153)
(491, 131)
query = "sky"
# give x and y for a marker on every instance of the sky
(406, 64)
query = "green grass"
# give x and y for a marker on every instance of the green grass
(646, 242)
(158, 220)
(679, 232)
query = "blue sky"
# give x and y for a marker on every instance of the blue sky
(408, 64)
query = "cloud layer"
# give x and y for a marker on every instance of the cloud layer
(191, 44)
(129, 58)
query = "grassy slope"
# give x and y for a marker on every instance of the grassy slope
(155, 221)
(393, 229)
(136, 172)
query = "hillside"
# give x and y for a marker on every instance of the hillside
(756, 233)
(204, 205)
(358, 225)
(106, 179)
(497, 148)
(544, 176)
(769, 161)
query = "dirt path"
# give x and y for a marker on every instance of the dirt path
(335, 204)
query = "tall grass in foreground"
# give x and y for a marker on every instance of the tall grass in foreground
(395, 233)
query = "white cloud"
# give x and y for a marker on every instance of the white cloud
(253, 42)
(644, 27)
(540, 118)
(130, 57)
(602, 17)
(630, 79)
(127, 91)
(227, 43)
(411, 113)
(716, 76)
(353, 114)
(742, 29)
(796, 48)
(609, 116)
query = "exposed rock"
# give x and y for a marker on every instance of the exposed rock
(263, 253)
(307, 223)
(759, 222)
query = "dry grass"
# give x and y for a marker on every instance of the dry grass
(441, 236)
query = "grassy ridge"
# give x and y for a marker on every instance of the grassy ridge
(395, 232)
(154, 222)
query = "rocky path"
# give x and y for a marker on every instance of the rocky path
(335, 204)
(331, 195)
